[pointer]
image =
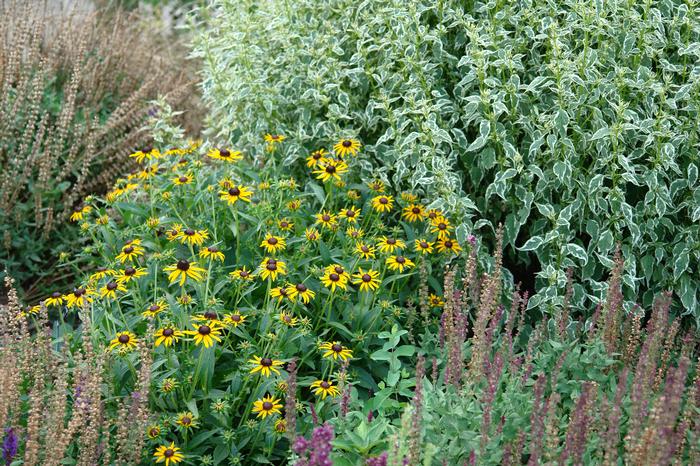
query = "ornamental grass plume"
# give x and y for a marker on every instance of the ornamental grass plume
(579, 425)
(414, 438)
(290, 405)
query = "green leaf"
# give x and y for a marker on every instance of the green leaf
(680, 265)
(577, 251)
(532, 244)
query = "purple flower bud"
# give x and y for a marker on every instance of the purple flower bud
(10, 445)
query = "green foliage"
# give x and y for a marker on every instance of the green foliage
(574, 124)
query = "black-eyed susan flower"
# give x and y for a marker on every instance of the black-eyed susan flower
(266, 366)
(147, 153)
(376, 185)
(130, 251)
(399, 263)
(316, 157)
(288, 319)
(423, 246)
(267, 406)
(173, 232)
(152, 222)
(186, 421)
(285, 224)
(301, 291)
(193, 237)
(184, 270)
(446, 245)
(346, 147)
(351, 214)
(241, 274)
(109, 290)
(56, 299)
(355, 233)
(209, 317)
(79, 297)
(294, 204)
(183, 179)
(234, 319)
(333, 278)
(155, 309)
(441, 226)
(226, 155)
(280, 426)
(123, 341)
(324, 388)
(235, 194)
(101, 272)
(271, 268)
(272, 139)
(153, 432)
(367, 280)
(30, 310)
(205, 334)
(213, 253)
(383, 203)
(129, 273)
(272, 243)
(312, 234)
(335, 350)
(435, 213)
(413, 212)
(168, 454)
(279, 292)
(435, 300)
(409, 197)
(330, 170)
(149, 172)
(365, 251)
(326, 219)
(80, 212)
(167, 336)
(389, 245)
(185, 299)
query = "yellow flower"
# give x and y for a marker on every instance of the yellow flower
(149, 172)
(389, 245)
(235, 319)
(80, 212)
(448, 245)
(193, 237)
(435, 213)
(56, 299)
(367, 280)
(279, 292)
(285, 224)
(212, 253)
(130, 251)
(209, 317)
(271, 268)
(267, 406)
(236, 193)
(423, 246)
(173, 232)
(183, 179)
(302, 291)
(364, 251)
(288, 319)
(329, 170)
(409, 197)
(435, 300)
(441, 226)
(147, 153)
(110, 290)
(152, 222)
(383, 203)
(312, 234)
(124, 341)
(334, 277)
(413, 212)
(346, 147)
(355, 233)
(263, 186)
(101, 272)
(316, 157)
(294, 204)
(167, 336)
(155, 309)
(79, 297)
(153, 432)
(326, 219)
(266, 366)
(272, 139)
(335, 350)
(351, 214)
(130, 273)
(399, 263)
(168, 454)
(280, 426)
(376, 185)
(184, 270)
(353, 195)
(205, 334)
(186, 420)
(324, 388)
(273, 243)
(241, 274)
(225, 154)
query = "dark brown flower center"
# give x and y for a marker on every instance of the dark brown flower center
(287, 318)
(364, 248)
(124, 339)
(338, 269)
(236, 318)
(154, 432)
(271, 266)
(168, 332)
(415, 210)
(334, 277)
(326, 218)
(213, 249)
(448, 244)
(272, 241)
(267, 406)
(168, 453)
(183, 265)
(383, 200)
(79, 292)
(442, 226)
(189, 232)
(391, 241)
(325, 385)
(210, 315)
(283, 292)
(336, 348)
(366, 278)
(266, 362)
(183, 179)
(55, 295)
(186, 420)
(316, 155)
(128, 250)
(350, 213)
(129, 271)
(243, 273)
(204, 330)
(347, 143)
(112, 286)
(147, 149)
(224, 153)
(154, 308)
(330, 169)
(400, 259)
(284, 224)
(301, 287)
(101, 269)
(424, 245)
(234, 192)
